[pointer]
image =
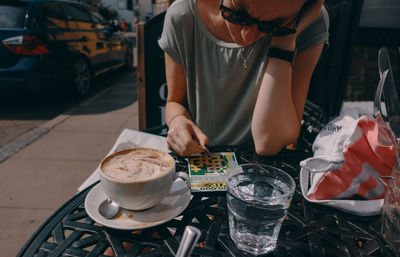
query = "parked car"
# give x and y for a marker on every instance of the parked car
(54, 43)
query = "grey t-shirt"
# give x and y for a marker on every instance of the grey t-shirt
(221, 93)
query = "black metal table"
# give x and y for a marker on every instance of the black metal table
(309, 229)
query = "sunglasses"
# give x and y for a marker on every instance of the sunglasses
(241, 17)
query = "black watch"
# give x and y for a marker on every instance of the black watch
(282, 54)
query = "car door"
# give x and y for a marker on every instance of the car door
(117, 48)
(52, 27)
(92, 40)
(52, 18)
(115, 41)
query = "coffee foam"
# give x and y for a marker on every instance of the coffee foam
(136, 165)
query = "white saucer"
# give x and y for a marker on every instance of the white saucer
(166, 210)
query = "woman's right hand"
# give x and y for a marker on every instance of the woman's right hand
(184, 137)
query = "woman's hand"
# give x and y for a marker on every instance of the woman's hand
(310, 13)
(184, 137)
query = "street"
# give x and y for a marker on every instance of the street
(22, 112)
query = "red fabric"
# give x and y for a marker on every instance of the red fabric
(366, 153)
(123, 25)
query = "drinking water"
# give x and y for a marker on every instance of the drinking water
(257, 205)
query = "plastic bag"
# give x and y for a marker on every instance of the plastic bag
(350, 155)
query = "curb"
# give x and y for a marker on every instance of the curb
(35, 133)
(21, 142)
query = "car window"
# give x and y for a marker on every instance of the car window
(12, 15)
(78, 13)
(52, 15)
(97, 18)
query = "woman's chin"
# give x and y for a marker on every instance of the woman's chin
(242, 42)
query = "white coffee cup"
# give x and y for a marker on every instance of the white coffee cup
(139, 178)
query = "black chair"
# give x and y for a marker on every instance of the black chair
(329, 81)
(327, 86)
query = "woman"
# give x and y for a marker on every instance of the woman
(239, 70)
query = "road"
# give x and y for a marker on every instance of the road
(22, 112)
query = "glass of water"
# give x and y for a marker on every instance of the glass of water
(391, 212)
(258, 200)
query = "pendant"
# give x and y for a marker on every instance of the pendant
(245, 64)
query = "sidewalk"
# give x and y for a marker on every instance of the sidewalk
(37, 180)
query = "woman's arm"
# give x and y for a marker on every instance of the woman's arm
(184, 137)
(280, 102)
(283, 92)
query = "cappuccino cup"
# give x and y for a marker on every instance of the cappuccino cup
(140, 178)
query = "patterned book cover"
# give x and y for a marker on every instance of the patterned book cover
(211, 172)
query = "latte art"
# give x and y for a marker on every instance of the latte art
(140, 178)
(136, 165)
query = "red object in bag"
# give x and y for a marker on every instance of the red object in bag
(368, 157)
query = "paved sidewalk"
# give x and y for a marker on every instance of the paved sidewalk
(37, 180)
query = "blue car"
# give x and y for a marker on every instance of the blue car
(57, 44)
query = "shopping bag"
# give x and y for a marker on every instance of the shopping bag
(351, 153)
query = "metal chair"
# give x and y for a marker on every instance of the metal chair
(387, 113)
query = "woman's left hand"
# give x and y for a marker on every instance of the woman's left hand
(308, 16)
(311, 13)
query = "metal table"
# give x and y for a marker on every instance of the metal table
(308, 230)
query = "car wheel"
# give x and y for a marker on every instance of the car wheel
(81, 77)
(129, 59)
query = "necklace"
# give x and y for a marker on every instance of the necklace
(245, 59)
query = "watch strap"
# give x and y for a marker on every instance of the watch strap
(282, 54)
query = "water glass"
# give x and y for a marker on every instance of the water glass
(258, 200)
(391, 212)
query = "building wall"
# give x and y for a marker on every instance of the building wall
(145, 9)
(364, 74)
(160, 6)
(150, 8)
(121, 7)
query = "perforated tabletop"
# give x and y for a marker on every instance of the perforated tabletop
(309, 229)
